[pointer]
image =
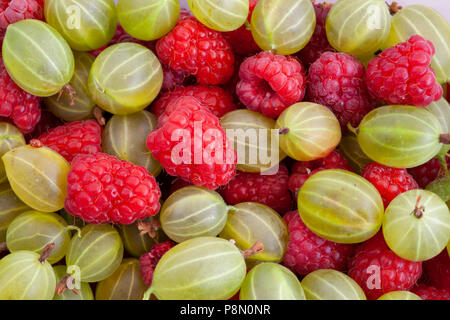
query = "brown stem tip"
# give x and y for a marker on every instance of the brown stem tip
(46, 252)
(394, 7)
(444, 138)
(256, 248)
(71, 91)
(418, 210)
(283, 130)
(150, 228)
(64, 284)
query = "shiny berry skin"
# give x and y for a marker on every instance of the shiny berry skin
(336, 81)
(269, 83)
(427, 172)
(431, 293)
(438, 270)
(197, 50)
(73, 138)
(21, 107)
(402, 74)
(184, 153)
(214, 98)
(104, 189)
(148, 261)
(307, 252)
(271, 190)
(12, 11)
(374, 265)
(390, 182)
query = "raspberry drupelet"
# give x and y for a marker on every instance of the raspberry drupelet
(148, 261)
(431, 293)
(427, 172)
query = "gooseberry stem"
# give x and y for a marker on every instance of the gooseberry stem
(46, 252)
(353, 130)
(256, 248)
(72, 93)
(147, 294)
(418, 210)
(3, 246)
(444, 138)
(394, 7)
(98, 114)
(78, 230)
(283, 130)
(63, 285)
(150, 228)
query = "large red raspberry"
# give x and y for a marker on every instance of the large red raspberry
(336, 81)
(215, 98)
(73, 138)
(15, 10)
(47, 121)
(431, 293)
(319, 41)
(23, 108)
(378, 270)
(402, 74)
(438, 270)
(427, 172)
(271, 190)
(241, 39)
(197, 50)
(389, 182)
(307, 252)
(191, 144)
(148, 261)
(104, 189)
(269, 83)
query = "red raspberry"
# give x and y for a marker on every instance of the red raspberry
(104, 189)
(47, 121)
(269, 83)
(271, 190)
(390, 182)
(23, 108)
(307, 252)
(148, 261)
(319, 42)
(241, 40)
(438, 270)
(378, 270)
(15, 10)
(70, 139)
(171, 78)
(431, 293)
(215, 98)
(427, 172)
(402, 74)
(195, 49)
(336, 81)
(194, 158)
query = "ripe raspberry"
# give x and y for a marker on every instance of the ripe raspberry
(336, 81)
(194, 158)
(148, 261)
(402, 74)
(171, 78)
(307, 252)
(215, 98)
(104, 189)
(438, 270)
(319, 42)
(390, 182)
(15, 10)
(73, 138)
(195, 49)
(378, 270)
(241, 40)
(427, 172)
(47, 121)
(271, 190)
(431, 293)
(269, 83)
(23, 108)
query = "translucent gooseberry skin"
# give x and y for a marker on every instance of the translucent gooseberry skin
(358, 27)
(441, 187)
(125, 137)
(97, 253)
(38, 177)
(441, 110)
(124, 284)
(10, 138)
(351, 150)
(84, 291)
(244, 127)
(203, 268)
(24, 277)
(125, 78)
(340, 206)
(193, 212)
(412, 238)
(37, 57)
(313, 131)
(399, 295)
(271, 281)
(220, 15)
(85, 24)
(148, 19)
(33, 230)
(252, 222)
(83, 105)
(284, 26)
(10, 207)
(400, 136)
(430, 24)
(328, 284)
